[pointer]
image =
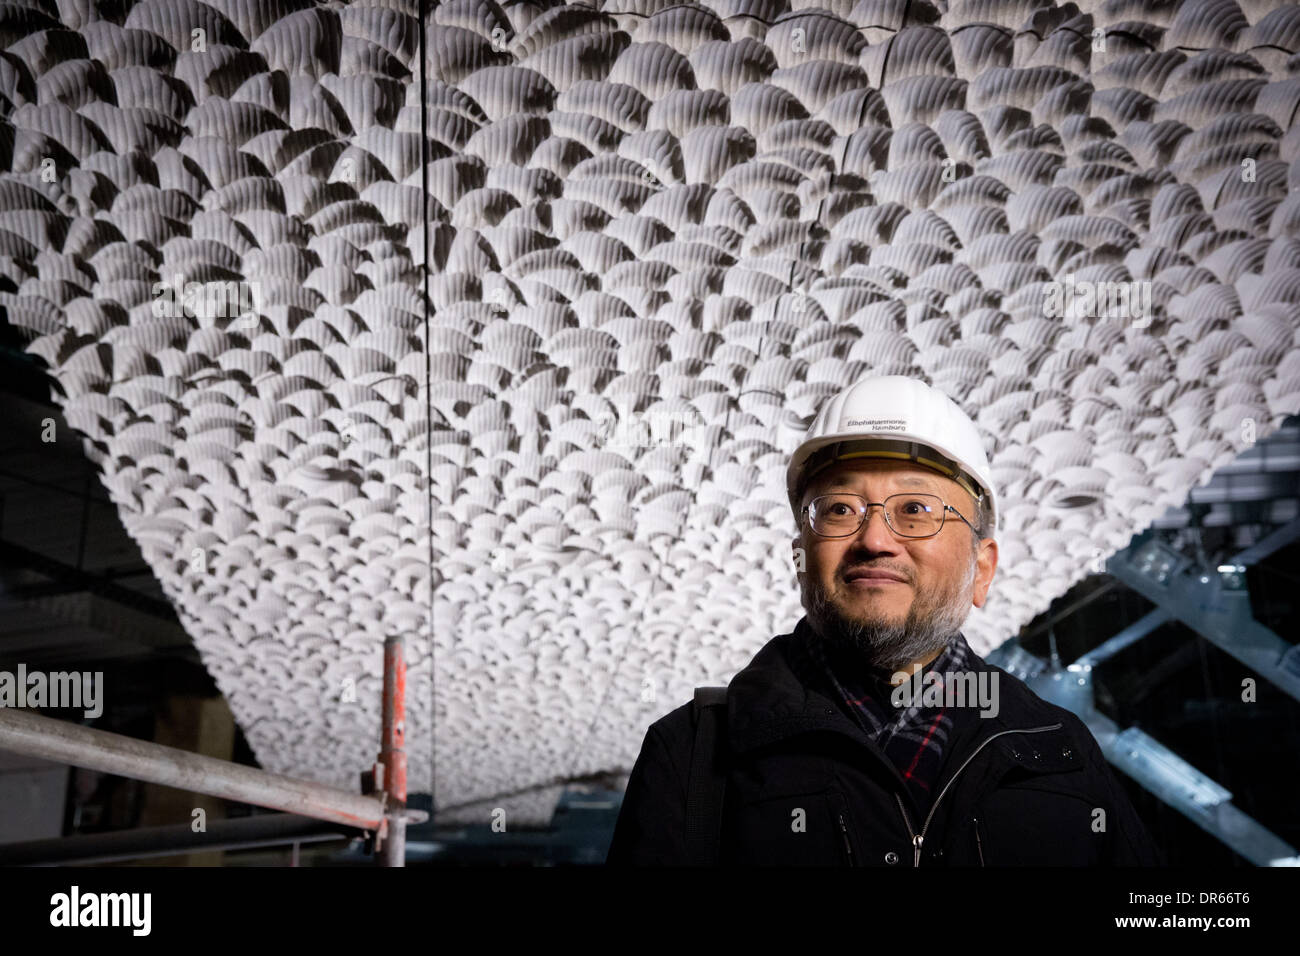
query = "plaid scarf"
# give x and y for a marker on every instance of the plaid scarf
(913, 737)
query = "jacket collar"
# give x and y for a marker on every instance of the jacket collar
(777, 696)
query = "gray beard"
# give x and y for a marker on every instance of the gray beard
(931, 622)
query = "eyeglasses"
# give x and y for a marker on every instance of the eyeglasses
(907, 515)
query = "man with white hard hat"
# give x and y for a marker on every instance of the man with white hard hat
(900, 590)
(872, 735)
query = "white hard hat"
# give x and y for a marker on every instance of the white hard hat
(893, 416)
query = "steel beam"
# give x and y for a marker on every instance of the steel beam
(1130, 635)
(68, 579)
(1198, 599)
(1164, 773)
(1273, 541)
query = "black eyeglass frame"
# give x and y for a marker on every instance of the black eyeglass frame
(864, 514)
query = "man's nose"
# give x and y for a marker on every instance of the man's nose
(875, 533)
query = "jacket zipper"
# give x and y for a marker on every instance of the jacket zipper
(844, 832)
(978, 845)
(919, 838)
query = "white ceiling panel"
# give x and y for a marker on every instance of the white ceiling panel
(659, 236)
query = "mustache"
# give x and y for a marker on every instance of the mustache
(857, 568)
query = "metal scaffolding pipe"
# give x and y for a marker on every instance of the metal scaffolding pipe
(24, 732)
(392, 752)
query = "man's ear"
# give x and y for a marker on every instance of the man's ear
(799, 555)
(986, 562)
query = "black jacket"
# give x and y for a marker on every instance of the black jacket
(1027, 787)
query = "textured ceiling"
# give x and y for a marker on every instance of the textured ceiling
(659, 236)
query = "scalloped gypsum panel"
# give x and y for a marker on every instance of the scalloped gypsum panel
(659, 236)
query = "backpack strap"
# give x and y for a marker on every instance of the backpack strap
(707, 783)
